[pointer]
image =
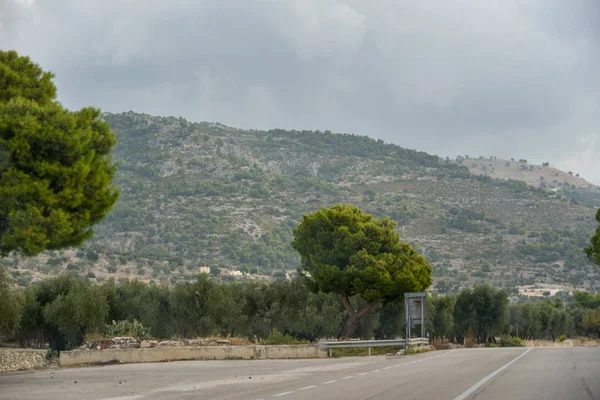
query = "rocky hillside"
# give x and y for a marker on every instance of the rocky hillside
(544, 176)
(206, 196)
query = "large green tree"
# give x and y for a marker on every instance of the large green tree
(480, 311)
(55, 164)
(348, 252)
(442, 320)
(593, 252)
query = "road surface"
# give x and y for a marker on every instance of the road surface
(485, 374)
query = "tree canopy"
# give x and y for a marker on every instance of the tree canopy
(11, 306)
(593, 252)
(55, 164)
(348, 252)
(480, 311)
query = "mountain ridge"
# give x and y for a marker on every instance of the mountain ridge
(207, 195)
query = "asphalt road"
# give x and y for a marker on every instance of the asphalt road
(485, 374)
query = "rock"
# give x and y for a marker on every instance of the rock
(148, 344)
(313, 169)
(21, 359)
(170, 343)
(222, 341)
(197, 342)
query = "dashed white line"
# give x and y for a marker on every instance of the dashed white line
(283, 394)
(378, 370)
(476, 386)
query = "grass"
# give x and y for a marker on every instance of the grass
(91, 337)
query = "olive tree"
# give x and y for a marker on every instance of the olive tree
(593, 252)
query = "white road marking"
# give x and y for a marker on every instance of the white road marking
(364, 373)
(328, 382)
(376, 370)
(307, 387)
(388, 367)
(282, 394)
(476, 386)
(348, 377)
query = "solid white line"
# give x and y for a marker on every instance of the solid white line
(307, 387)
(348, 377)
(364, 373)
(328, 382)
(376, 370)
(282, 394)
(476, 386)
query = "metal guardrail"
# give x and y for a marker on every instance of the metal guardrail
(372, 343)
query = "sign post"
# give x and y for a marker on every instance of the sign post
(415, 311)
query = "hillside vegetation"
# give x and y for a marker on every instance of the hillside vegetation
(206, 195)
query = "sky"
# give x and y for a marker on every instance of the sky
(504, 78)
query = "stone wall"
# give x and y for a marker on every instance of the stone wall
(19, 359)
(156, 354)
(566, 343)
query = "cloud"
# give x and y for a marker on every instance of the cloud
(505, 78)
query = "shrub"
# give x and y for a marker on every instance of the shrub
(438, 345)
(470, 342)
(51, 354)
(127, 328)
(511, 341)
(562, 338)
(276, 337)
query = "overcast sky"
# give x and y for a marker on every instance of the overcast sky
(510, 78)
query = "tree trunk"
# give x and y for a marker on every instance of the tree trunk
(354, 315)
(350, 326)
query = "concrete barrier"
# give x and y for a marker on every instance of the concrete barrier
(78, 357)
(19, 359)
(295, 351)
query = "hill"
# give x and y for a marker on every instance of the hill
(206, 196)
(545, 176)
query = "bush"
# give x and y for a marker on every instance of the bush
(562, 338)
(511, 341)
(438, 345)
(127, 328)
(51, 354)
(470, 342)
(276, 337)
